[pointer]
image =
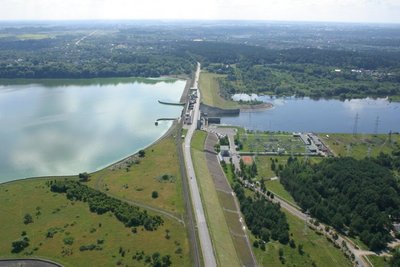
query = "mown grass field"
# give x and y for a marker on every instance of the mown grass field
(357, 146)
(379, 261)
(264, 171)
(316, 249)
(137, 182)
(210, 95)
(74, 219)
(221, 237)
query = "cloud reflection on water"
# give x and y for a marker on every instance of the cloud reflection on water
(66, 130)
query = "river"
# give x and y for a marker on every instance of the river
(67, 127)
(325, 116)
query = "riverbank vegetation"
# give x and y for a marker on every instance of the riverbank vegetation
(67, 232)
(346, 193)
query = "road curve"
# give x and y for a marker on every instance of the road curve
(204, 235)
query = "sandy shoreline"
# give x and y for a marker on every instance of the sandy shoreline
(256, 108)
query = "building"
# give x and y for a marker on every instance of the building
(224, 150)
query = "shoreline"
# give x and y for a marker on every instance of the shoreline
(67, 176)
(256, 108)
(167, 133)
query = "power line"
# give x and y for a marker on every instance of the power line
(355, 126)
(376, 125)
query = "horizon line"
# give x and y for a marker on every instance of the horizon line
(201, 20)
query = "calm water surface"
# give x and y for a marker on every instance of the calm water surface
(63, 128)
(327, 116)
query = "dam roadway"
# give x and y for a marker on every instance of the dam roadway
(204, 235)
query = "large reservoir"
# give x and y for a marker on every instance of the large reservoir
(68, 127)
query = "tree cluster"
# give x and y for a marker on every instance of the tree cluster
(265, 219)
(101, 203)
(248, 172)
(358, 197)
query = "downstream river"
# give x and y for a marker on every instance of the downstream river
(325, 116)
(68, 127)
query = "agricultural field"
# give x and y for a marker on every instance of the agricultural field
(37, 36)
(271, 142)
(61, 230)
(360, 145)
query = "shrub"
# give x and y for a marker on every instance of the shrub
(28, 218)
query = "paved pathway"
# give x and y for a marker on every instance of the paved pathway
(204, 235)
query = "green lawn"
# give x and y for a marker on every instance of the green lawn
(210, 95)
(358, 146)
(277, 188)
(137, 182)
(316, 249)
(221, 237)
(73, 219)
(379, 261)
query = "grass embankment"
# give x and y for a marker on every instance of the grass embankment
(221, 237)
(210, 92)
(73, 219)
(138, 177)
(316, 249)
(357, 146)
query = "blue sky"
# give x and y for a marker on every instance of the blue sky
(386, 11)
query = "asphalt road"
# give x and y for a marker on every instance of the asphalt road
(204, 235)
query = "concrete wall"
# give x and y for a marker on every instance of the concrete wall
(218, 112)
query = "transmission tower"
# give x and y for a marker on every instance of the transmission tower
(376, 125)
(355, 127)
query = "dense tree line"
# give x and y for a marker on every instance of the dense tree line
(282, 62)
(101, 203)
(358, 197)
(390, 161)
(265, 219)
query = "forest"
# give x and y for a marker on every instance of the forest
(345, 61)
(357, 197)
(100, 203)
(265, 219)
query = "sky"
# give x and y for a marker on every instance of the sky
(379, 11)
